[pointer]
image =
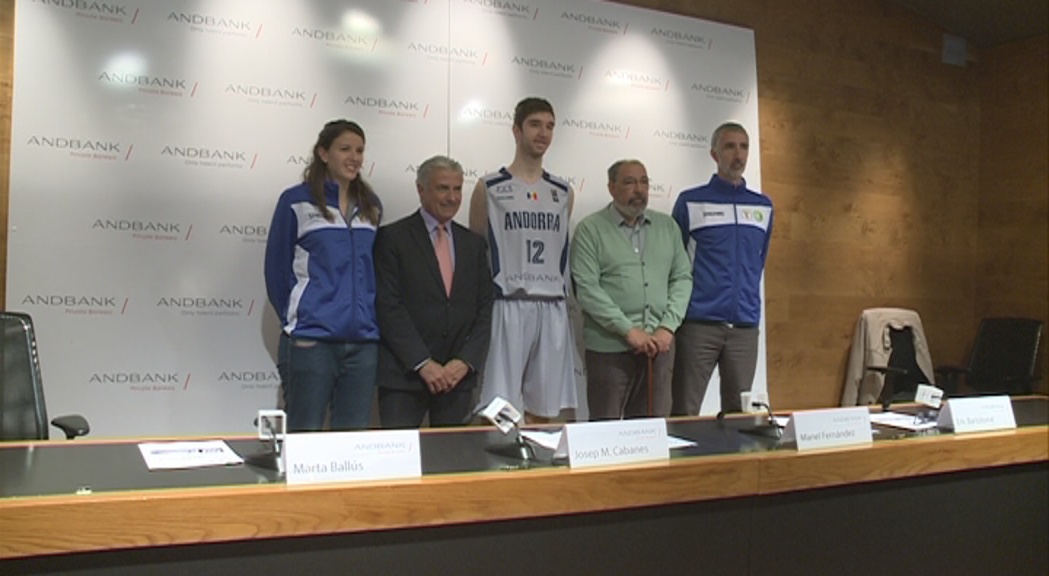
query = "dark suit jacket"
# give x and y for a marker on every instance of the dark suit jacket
(416, 319)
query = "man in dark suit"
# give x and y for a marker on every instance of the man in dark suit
(434, 305)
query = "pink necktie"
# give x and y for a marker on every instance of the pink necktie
(444, 257)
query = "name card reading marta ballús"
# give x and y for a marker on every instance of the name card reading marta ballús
(320, 457)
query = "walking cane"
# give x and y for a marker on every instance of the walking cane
(650, 362)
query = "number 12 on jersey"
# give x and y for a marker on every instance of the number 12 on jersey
(534, 249)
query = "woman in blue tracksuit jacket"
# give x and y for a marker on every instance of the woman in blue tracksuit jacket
(320, 279)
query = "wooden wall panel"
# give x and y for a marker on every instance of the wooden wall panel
(870, 153)
(1013, 224)
(871, 150)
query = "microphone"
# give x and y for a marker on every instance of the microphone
(268, 424)
(931, 399)
(505, 417)
(271, 425)
(502, 414)
(770, 429)
(768, 410)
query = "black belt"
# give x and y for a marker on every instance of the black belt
(721, 323)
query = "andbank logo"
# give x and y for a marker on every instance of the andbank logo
(598, 128)
(634, 79)
(596, 23)
(336, 39)
(299, 160)
(86, 148)
(197, 305)
(721, 93)
(682, 38)
(154, 85)
(445, 53)
(272, 95)
(220, 25)
(487, 115)
(142, 381)
(78, 303)
(682, 138)
(577, 183)
(659, 190)
(468, 173)
(250, 233)
(549, 67)
(152, 230)
(209, 157)
(102, 11)
(250, 379)
(395, 107)
(519, 10)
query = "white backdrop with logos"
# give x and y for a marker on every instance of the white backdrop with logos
(150, 142)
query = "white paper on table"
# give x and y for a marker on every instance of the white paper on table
(676, 442)
(898, 420)
(550, 440)
(192, 454)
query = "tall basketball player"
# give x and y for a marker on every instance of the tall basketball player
(524, 212)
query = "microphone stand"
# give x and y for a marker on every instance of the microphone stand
(270, 457)
(769, 429)
(518, 448)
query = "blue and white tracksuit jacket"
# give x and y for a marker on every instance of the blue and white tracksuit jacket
(726, 230)
(320, 275)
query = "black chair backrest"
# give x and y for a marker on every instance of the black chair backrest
(904, 357)
(23, 415)
(1004, 355)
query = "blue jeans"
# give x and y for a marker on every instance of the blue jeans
(318, 374)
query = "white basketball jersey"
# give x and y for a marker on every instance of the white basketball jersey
(528, 235)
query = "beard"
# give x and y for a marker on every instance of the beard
(632, 210)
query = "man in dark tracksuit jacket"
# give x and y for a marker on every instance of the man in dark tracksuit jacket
(726, 230)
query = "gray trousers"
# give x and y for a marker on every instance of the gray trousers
(617, 384)
(700, 347)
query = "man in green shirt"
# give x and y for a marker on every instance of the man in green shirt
(632, 281)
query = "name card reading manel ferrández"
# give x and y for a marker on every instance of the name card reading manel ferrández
(320, 457)
(829, 428)
(977, 414)
(614, 442)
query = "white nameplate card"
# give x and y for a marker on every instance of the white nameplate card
(613, 442)
(829, 428)
(977, 414)
(930, 396)
(319, 457)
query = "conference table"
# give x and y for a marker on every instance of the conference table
(733, 503)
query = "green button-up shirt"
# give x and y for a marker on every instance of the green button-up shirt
(618, 288)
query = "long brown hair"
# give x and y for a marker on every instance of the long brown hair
(317, 173)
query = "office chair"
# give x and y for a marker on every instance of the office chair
(878, 334)
(902, 374)
(1003, 359)
(23, 413)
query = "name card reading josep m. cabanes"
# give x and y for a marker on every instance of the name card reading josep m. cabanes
(320, 457)
(829, 428)
(614, 442)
